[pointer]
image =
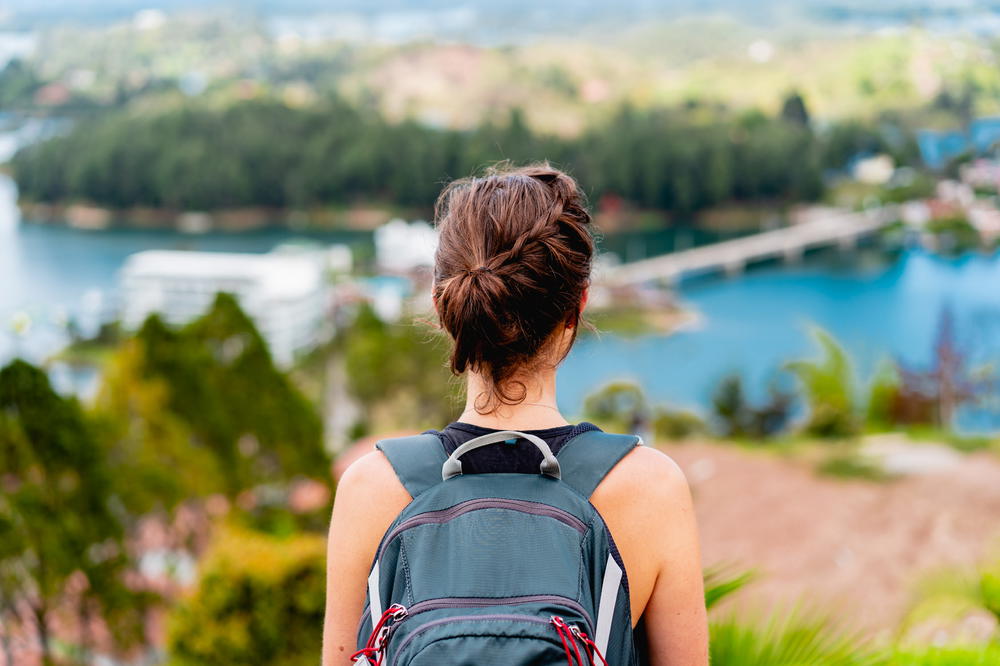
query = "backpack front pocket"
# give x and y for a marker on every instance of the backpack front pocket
(479, 640)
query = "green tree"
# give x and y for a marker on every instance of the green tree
(222, 384)
(398, 372)
(56, 517)
(146, 442)
(18, 83)
(793, 109)
(680, 160)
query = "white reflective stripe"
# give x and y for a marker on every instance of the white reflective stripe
(374, 599)
(606, 611)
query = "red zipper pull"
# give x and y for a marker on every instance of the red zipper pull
(590, 645)
(380, 632)
(566, 636)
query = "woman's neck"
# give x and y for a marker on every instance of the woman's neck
(537, 411)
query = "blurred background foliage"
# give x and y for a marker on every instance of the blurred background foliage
(258, 599)
(186, 418)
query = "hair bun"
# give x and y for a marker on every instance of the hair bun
(513, 260)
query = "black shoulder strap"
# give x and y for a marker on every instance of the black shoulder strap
(417, 460)
(587, 458)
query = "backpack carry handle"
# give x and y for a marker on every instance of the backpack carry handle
(453, 466)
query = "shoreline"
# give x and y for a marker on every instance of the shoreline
(337, 217)
(88, 217)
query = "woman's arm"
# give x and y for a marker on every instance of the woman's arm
(647, 505)
(369, 497)
(676, 618)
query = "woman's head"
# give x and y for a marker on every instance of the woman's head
(511, 272)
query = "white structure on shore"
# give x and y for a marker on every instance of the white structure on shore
(285, 293)
(401, 247)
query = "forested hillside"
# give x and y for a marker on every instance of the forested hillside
(268, 154)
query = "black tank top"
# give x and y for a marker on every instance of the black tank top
(521, 457)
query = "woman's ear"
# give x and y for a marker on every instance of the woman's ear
(583, 299)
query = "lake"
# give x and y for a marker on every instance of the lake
(878, 306)
(53, 272)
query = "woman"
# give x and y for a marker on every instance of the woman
(510, 285)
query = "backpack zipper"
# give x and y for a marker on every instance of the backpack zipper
(459, 618)
(486, 602)
(524, 506)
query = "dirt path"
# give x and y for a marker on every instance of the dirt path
(852, 547)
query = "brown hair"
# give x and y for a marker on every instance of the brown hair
(513, 260)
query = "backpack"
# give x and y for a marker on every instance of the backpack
(500, 568)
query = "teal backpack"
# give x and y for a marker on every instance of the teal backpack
(506, 569)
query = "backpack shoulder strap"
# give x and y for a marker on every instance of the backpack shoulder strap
(587, 458)
(417, 460)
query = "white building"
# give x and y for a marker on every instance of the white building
(285, 293)
(401, 247)
(875, 170)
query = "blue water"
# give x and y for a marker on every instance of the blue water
(50, 273)
(754, 323)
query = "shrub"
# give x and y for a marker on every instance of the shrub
(986, 655)
(954, 235)
(721, 581)
(989, 588)
(952, 606)
(792, 639)
(882, 397)
(259, 600)
(851, 465)
(737, 417)
(619, 407)
(676, 424)
(828, 383)
(729, 404)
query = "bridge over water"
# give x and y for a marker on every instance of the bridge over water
(843, 229)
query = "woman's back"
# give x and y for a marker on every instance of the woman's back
(644, 500)
(511, 277)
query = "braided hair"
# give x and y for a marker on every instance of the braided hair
(514, 258)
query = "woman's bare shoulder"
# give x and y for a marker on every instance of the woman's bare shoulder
(646, 476)
(370, 466)
(370, 484)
